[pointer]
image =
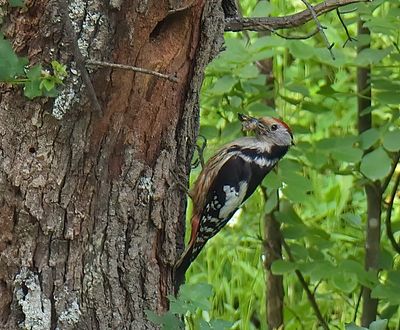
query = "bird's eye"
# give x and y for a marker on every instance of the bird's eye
(274, 127)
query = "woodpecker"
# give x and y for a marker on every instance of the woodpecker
(229, 178)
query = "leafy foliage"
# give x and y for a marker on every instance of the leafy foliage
(321, 180)
(36, 81)
(192, 304)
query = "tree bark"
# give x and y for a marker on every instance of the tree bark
(90, 217)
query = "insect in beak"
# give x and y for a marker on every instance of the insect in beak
(248, 123)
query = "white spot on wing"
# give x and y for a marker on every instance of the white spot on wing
(233, 199)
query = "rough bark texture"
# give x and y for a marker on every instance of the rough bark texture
(372, 191)
(90, 218)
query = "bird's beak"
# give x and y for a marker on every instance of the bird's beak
(292, 139)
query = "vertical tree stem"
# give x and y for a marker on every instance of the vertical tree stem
(272, 231)
(372, 189)
(274, 283)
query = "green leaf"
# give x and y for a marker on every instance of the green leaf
(297, 88)
(262, 9)
(11, 65)
(32, 86)
(288, 215)
(247, 72)
(280, 267)
(300, 49)
(315, 108)
(261, 109)
(388, 97)
(235, 101)
(319, 270)
(168, 320)
(389, 311)
(295, 231)
(378, 325)
(209, 131)
(196, 293)
(391, 140)
(371, 56)
(352, 219)
(296, 180)
(272, 181)
(387, 292)
(346, 282)
(16, 3)
(60, 70)
(47, 84)
(223, 85)
(376, 165)
(347, 154)
(369, 138)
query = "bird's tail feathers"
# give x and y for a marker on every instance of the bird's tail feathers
(186, 258)
(181, 267)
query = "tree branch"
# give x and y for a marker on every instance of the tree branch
(349, 37)
(389, 177)
(389, 232)
(284, 22)
(132, 68)
(320, 27)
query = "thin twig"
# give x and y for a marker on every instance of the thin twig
(316, 287)
(389, 177)
(132, 68)
(303, 282)
(237, 24)
(79, 59)
(200, 153)
(178, 181)
(357, 305)
(320, 27)
(180, 9)
(349, 37)
(389, 232)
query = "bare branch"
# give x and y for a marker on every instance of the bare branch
(131, 68)
(389, 232)
(320, 27)
(284, 22)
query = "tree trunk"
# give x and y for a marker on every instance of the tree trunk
(372, 190)
(272, 230)
(91, 220)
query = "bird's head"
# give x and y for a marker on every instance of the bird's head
(269, 128)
